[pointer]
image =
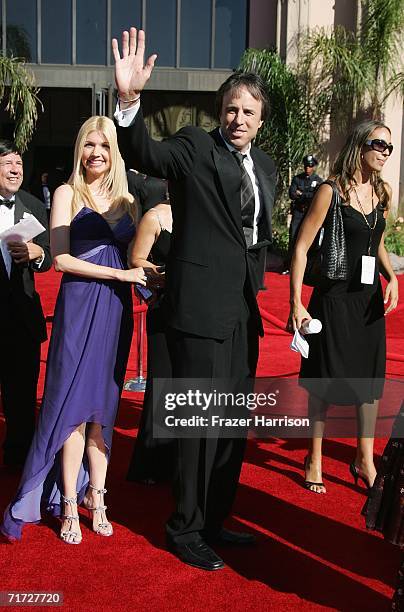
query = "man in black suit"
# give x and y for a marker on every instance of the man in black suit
(22, 324)
(42, 190)
(301, 192)
(148, 190)
(221, 191)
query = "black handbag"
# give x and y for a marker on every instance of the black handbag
(327, 256)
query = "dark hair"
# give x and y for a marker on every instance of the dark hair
(349, 162)
(7, 147)
(252, 82)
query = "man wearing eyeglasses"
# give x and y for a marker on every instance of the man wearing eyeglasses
(22, 323)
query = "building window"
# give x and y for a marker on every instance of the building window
(21, 29)
(125, 13)
(230, 32)
(91, 24)
(56, 41)
(161, 30)
(196, 20)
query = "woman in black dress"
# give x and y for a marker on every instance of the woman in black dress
(153, 458)
(352, 343)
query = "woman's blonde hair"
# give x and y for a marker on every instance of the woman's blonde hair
(114, 183)
(349, 162)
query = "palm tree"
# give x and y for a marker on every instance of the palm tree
(17, 87)
(357, 71)
(333, 74)
(381, 43)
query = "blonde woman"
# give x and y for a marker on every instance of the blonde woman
(348, 357)
(92, 225)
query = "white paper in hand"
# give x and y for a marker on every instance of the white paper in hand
(300, 345)
(25, 230)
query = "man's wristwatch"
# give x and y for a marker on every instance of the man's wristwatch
(39, 260)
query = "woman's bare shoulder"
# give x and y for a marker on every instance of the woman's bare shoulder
(64, 191)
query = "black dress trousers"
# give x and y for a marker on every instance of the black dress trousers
(19, 371)
(208, 468)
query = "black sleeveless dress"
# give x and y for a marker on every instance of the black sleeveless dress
(352, 343)
(154, 459)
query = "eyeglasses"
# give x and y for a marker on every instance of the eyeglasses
(379, 145)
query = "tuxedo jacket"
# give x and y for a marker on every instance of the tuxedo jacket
(209, 265)
(148, 191)
(18, 292)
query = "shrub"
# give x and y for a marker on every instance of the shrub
(394, 236)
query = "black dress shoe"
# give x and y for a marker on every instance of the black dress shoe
(198, 554)
(225, 537)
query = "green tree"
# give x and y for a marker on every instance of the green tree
(19, 93)
(354, 73)
(381, 43)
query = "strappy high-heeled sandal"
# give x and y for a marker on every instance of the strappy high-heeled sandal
(356, 475)
(103, 527)
(70, 536)
(308, 484)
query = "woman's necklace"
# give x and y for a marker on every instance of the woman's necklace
(363, 212)
(374, 212)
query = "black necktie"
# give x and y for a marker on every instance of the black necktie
(247, 199)
(8, 203)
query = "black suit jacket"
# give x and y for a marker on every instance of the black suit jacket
(148, 191)
(209, 262)
(18, 291)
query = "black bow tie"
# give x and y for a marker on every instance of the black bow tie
(8, 203)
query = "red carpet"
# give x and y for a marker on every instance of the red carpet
(313, 551)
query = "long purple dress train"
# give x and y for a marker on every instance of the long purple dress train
(87, 359)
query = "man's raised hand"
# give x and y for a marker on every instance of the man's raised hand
(131, 73)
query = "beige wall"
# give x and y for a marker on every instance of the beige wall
(318, 13)
(393, 170)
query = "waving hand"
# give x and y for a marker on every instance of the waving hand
(131, 73)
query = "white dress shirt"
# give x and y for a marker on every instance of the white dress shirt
(6, 221)
(126, 117)
(46, 196)
(249, 166)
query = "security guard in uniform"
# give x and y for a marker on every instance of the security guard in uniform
(301, 192)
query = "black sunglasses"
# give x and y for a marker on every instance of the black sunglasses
(379, 145)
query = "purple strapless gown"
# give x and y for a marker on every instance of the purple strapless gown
(88, 354)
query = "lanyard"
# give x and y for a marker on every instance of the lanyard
(374, 212)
